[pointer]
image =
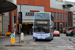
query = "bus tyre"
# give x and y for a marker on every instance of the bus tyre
(49, 40)
(8, 35)
(35, 39)
(66, 35)
(52, 39)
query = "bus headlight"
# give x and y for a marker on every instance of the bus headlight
(34, 34)
(47, 35)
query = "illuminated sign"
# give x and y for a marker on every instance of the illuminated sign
(42, 22)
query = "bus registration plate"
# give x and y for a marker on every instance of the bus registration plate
(41, 38)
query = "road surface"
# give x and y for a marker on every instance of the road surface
(58, 43)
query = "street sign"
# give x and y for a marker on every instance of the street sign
(12, 35)
(12, 38)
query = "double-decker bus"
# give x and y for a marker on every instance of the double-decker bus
(43, 26)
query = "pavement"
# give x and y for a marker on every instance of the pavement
(16, 35)
(2, 36)
(17, 43)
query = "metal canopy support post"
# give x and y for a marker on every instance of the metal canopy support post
(20, 22)
(19, 33)
(2, 23)
(19, 27)
(13, 21)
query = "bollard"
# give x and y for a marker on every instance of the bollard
(5, 35)
(14, 32)
(22, 36)
(12, 38)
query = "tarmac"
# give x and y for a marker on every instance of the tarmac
(72, 39)
(23, 43)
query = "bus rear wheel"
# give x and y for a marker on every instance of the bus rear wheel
(8, 35)
(36, 39)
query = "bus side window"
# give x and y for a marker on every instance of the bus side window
(52, 29)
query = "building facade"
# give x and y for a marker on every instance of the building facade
(60, 19)
(40, 5)
(28, 16)
(58, 10)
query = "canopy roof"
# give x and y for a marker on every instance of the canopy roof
(6, 6)
(69, 5)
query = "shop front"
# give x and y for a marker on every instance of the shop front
(27, 28)
(28, 16)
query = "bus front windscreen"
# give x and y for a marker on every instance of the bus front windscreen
(42, 16)
(44, 29)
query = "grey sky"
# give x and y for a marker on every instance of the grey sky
(70, 0)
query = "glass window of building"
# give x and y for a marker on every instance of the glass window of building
(66, 16)
(14, 19)
(54, 25)
(63, 24)
(60, 16)
(63, 16)
(69, 21)
(57, 16)
(58, 26)
(51, 12)
(54, 15)
(66, 24)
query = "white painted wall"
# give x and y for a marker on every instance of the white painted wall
(55, 4)
(58, 5)
(13, 1)
(72, 8)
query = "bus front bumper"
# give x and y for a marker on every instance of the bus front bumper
(40, 38)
